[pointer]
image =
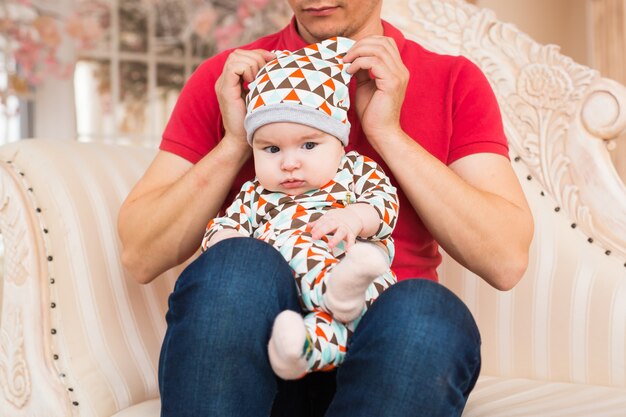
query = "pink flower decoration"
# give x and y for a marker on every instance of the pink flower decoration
(226, 35)
(247, 8)
(27, 55)
(48, 31)
(33, 35)
(86, 31)
(243, 12)
(204, 21)
(259, 4)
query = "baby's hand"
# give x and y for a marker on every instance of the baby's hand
(342, 223)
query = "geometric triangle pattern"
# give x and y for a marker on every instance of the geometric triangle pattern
(273, 216)
(329, 341)
(281, 220)
(329, 337)
(312, 79)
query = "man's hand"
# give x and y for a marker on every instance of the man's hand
(240, 66)
(382, 79)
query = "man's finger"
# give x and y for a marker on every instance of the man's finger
(260, 56)
(382, 48)
(363, 76)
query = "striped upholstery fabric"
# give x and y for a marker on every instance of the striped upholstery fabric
(150, 408)
(518, 397)
(555, 344)
(101, 340)
(566, 320)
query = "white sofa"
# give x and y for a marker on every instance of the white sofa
(79, 338)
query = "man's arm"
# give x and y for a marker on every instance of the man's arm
(474, 208)
(162, 221)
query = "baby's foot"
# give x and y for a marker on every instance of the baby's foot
(349, 279)
(288, 347)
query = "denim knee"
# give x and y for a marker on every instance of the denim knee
(240, 264)
(242, 279)
(214, 355)
(429, 309)
(419, 315)
(420, 345)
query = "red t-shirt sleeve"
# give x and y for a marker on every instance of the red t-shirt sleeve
(476, 118)
(195, 126)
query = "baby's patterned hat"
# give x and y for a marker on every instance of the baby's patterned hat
(308, 86)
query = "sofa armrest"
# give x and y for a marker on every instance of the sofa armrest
(77, 336)
(566, 320)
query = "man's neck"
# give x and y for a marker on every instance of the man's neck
(373, 29)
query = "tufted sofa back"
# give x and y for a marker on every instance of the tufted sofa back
(83, 337)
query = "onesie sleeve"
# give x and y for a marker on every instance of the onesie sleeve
(372, 186)
(238, 216)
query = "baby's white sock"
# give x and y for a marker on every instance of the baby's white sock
(349, 279)
(286, 346)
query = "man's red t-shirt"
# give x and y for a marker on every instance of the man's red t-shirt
(449, 109)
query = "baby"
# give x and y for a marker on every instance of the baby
(329, 213)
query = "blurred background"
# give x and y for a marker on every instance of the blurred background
(111, 70)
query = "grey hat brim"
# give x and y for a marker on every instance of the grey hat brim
(295, 113)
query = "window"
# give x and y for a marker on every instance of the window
(13, 110)
(126, 87)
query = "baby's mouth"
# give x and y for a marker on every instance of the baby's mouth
(292, 183)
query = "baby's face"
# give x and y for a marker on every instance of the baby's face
(292, 158)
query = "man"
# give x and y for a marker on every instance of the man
(433, 124)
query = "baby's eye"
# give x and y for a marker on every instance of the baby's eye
(309, 145)
(272, 149)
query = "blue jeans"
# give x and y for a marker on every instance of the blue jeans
(415, 353)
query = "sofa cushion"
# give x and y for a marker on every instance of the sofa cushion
(506, 397)
(517, 397)
(150, 408)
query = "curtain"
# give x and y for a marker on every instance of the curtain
(609, 55)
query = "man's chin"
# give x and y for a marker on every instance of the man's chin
(321, 31)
